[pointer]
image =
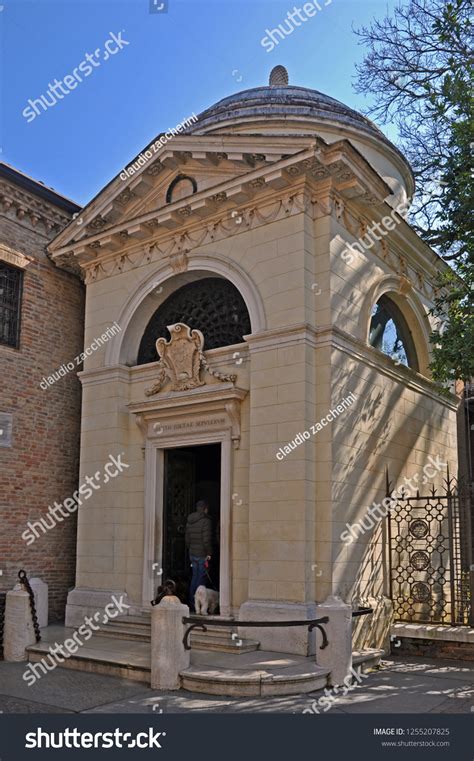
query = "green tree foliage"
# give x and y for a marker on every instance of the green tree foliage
(419, 69)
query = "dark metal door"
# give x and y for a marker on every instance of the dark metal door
(179, 500)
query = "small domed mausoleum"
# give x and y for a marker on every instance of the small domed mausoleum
(272, 359)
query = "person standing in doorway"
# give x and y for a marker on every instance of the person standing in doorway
(199, 545)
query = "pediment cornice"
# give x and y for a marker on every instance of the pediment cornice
(106, 230)
(254, 189)
(404, 252)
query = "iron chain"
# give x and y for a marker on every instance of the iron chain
(24, 581)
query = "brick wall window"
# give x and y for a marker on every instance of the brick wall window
(11, 279)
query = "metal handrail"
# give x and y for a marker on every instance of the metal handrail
(362, 612)
(196, 622)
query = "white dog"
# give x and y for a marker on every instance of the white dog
(205, 601)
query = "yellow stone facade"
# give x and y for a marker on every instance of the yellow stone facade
(280, 195)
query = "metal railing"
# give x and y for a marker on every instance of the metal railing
(362, 612)
(196, 622)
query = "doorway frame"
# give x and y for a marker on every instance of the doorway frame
(154, 507)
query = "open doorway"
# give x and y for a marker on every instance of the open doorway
(190, 474)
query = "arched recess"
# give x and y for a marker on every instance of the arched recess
(154, 289)
(212, 305)
(399, 291)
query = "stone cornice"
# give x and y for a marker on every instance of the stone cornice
(355, 348)
(16, 258)
(401, 249)
(111, 234)
(320, 179)
(174, 411)
(280, 338)
(172, 400)
(38, 214)
(147, 373)
(175, 246)
(100, 375)
(334, 338)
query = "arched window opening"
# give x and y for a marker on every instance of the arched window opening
(182, 186)
(390, 334)
(212, 305)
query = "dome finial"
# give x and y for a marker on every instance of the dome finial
(278, 77)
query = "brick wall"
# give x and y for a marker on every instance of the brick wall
(42, 464)
(430, 648)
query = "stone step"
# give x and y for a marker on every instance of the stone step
(248, 672)
(140, 622)
(252, 674)
(367, 658)
(221, 639)
(112, 658)
(204, 641)
(217, 638)
(122, 631)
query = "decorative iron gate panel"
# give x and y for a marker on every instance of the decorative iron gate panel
(430, 556)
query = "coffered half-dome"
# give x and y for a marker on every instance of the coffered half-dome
(284, 109)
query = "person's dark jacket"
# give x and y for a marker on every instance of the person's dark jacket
(199, 534)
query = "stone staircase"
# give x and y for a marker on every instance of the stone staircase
(221, 662)
(113, 656)
(136, 628)
(215, 638)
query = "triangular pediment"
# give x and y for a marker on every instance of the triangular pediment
(195, 177)
(174, 185)
(142, 186)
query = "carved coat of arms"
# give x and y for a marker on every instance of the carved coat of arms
(182, 359)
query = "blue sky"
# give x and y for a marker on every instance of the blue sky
(176, 63)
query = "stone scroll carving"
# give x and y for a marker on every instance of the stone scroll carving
(182, 360)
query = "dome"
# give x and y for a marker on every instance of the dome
(286, 101)
(284, 109)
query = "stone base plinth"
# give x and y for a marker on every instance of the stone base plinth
(19, 631)
(168, 656)
(279, 639)
(82, 602)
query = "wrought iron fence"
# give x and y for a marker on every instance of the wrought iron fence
(430, 555)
